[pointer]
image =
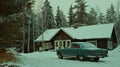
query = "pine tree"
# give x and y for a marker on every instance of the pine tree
(9, 7)
(29, 31)
(36, 26)
(47, 16)
(111, 15)
(80, 15)
(60, 19)
(117, 23)
(92, 17)
(101, 19)
(12, 11)
(9, 32)
(71, 16)
(64, 21)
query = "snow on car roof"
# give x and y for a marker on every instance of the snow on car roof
(85, 32)
(85, 44)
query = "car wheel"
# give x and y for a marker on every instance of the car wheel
(96, 59)
(81, 58)
(60, 56)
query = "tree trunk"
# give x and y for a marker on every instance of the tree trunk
(28, 38)
(23, 36)
(33, 38)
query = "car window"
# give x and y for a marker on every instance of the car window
(83, 45)
(75, 46)
(88, 45)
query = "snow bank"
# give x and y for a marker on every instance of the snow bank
(115, 52)
(115, 55)
(10, 58)
(49, 59)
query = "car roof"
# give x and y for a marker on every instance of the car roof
(81, 43)
(84, 44)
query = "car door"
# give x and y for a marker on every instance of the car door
(74, 49)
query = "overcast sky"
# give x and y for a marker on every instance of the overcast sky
(102, 5)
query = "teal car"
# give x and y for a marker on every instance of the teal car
(82, 51)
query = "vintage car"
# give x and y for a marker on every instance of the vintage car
(82, 51)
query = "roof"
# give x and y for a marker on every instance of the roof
(47, 35)
(85, 32)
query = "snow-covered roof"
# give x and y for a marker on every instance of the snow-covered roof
(47, 35)
(85, 32)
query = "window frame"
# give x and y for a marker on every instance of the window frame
(62, 46)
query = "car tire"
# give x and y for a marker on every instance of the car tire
(80, 58)
(96, 59)
(59, 56)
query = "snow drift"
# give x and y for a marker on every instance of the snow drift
(49, 59)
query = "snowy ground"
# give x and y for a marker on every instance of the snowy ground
(49, 59)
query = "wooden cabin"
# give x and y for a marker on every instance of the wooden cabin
(102, 36)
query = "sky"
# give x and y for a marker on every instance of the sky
(102, 5)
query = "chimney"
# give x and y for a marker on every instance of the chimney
(75, 25)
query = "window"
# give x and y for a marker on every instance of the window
(64, 44)
(61, 44)
(56, 44)
(47, 45)
(68, 43)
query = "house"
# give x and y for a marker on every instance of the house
(102, 36)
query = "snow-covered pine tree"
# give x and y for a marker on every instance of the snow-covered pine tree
(60, 18)
(64, 21)
(71, 17)
(111, 15)
(30, 33)
(35, 31)
(117, 24)
(80, 15)
(27, 30)
(101, 19)
(38, 19)
(47, 16)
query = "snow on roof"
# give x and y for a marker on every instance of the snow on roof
(85, 32)
(47, 35)
(92, 31)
